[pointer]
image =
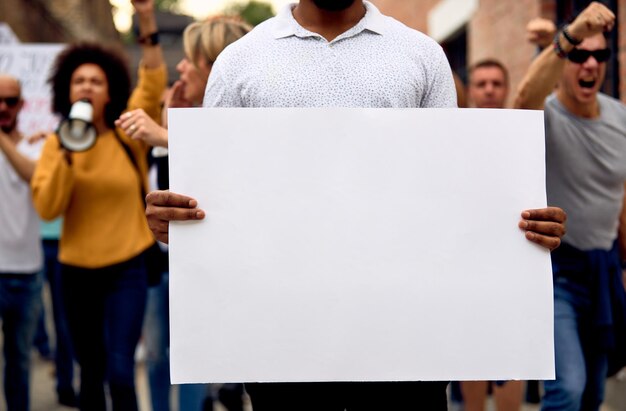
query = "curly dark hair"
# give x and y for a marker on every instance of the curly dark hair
(115, 66)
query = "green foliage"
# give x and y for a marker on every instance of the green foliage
(128, 37)
(167, 5)
(253, 11)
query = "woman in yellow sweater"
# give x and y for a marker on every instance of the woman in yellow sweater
(99, 194)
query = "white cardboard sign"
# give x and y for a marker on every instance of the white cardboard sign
(31, 64)
(358, 245)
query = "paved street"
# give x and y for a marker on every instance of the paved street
(44, 398)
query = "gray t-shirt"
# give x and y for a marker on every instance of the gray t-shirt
(586, 170)
(377, 63)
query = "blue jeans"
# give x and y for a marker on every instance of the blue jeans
(64, 355)
(20, 305)
(156, 337)
(105, 309)
(581, 367)
(42, 340)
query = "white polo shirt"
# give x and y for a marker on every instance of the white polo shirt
(378, 63)
(20, 243)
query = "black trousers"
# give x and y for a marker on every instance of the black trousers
(350, 396)
(105, 310)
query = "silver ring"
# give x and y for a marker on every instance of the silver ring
(132, 127)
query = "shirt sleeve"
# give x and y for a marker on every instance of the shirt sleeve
(52, 182)
(147, 95)
(440, 92)
(219, 91)
(150, 87)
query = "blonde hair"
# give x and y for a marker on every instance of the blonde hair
(205, 40)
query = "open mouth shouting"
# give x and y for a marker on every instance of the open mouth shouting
(587, 83)
(6, 121)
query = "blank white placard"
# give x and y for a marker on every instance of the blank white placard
(358, 245)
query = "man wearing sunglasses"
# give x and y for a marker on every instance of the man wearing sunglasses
(20, 248)
(585, 175)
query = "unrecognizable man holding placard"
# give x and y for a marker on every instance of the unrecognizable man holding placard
(21, 257)
(335, 53)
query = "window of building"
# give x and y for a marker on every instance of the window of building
(456, 51)
(447, 24)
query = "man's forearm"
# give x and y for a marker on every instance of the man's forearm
(541, 78)
(152, 54)
(22, 165)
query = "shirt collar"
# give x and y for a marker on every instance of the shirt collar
(287, 26)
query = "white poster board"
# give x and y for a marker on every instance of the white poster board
(31, 63)
(358, 245)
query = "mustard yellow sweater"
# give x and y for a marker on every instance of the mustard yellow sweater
(99, 194)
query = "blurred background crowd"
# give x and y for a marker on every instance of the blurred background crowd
(503, 36)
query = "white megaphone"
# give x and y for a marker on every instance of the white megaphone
(76, 132)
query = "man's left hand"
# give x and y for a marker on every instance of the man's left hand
(544, 226)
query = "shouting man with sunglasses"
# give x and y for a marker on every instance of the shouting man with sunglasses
(586, 173)
(20, 248)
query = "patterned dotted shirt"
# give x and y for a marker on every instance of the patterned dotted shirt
(377, 63)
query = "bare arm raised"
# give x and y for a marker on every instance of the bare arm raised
(152, 54)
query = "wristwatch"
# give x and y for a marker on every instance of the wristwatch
(151, 39)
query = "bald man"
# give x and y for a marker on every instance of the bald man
(20, 248)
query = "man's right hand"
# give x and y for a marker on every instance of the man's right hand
(164, 206)
(595, 19)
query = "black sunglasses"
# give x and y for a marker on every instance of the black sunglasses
(579, 56)
(10, 101)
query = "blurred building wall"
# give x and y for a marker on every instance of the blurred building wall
(495, 28)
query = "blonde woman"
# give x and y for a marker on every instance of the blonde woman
(203, 42)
